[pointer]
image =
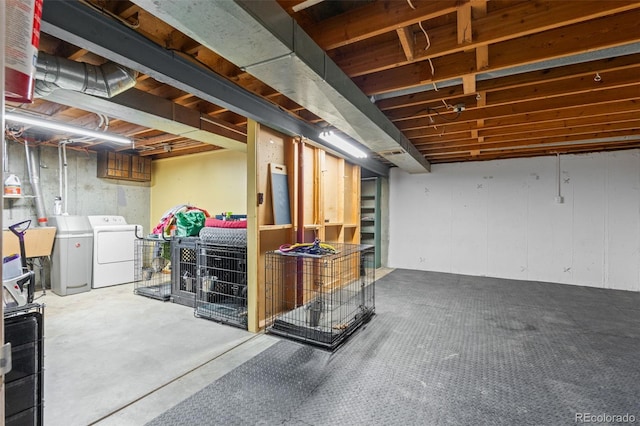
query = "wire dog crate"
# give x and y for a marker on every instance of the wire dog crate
(151, 277)
(184, 270)
(320, 299)
(222, 289)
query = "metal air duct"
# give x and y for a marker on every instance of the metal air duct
(106, 80)
(85, 27)
(33, 169)
(261, 38)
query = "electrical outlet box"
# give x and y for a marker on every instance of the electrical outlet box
(559, 199)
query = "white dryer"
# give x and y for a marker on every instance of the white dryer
(113, 250)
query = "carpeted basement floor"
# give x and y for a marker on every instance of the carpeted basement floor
(446, 349)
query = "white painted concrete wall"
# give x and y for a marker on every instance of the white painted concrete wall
(500, 219)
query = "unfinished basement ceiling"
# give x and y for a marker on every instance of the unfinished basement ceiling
(441, 81)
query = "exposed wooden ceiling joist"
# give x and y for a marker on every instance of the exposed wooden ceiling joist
(524, 71)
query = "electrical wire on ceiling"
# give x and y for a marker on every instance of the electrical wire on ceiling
(13, 133)
(426, 35)
(103, 125)
(421, 27)
(430, 109)
(16, 133)
(433, 72)
(446, 105)
(439, 115)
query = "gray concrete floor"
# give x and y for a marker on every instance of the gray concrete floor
(115, 358)
(112, 357)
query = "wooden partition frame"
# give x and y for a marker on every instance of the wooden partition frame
(329, 205)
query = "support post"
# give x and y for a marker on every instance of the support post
(253, 234)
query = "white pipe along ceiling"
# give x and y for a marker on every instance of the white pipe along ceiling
(261, 38)
(133, 106)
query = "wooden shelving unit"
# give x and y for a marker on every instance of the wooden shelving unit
(370, 218)
(324, 202)
(17, 196)
(274, 227)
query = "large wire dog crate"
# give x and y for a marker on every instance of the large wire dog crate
(151, 277)
(222, 289)
(184, 270)
(320, 299)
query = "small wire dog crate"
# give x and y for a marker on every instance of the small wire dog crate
(222, 289)
(320, 299)
(151, 259)
(184, 270)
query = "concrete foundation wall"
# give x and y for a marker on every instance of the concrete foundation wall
(87, 194)
(501, 219)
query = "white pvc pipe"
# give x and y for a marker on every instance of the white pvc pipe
(60, 169)
(66, 180)
(559, 199)
(558, 172)
(5, 150)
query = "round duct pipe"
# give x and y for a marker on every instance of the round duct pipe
(33, 168)
(106, 80)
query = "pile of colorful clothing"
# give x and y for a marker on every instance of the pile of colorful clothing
(183, 220)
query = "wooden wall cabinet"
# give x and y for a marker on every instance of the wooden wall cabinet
(116, 165)
(140, 168)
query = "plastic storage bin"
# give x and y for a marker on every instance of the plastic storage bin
(11, 266)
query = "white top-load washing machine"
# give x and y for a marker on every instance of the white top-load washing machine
(113, 250)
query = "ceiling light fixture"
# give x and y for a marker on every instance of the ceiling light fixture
(305, 4)
(342, 144)
(66, 128)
